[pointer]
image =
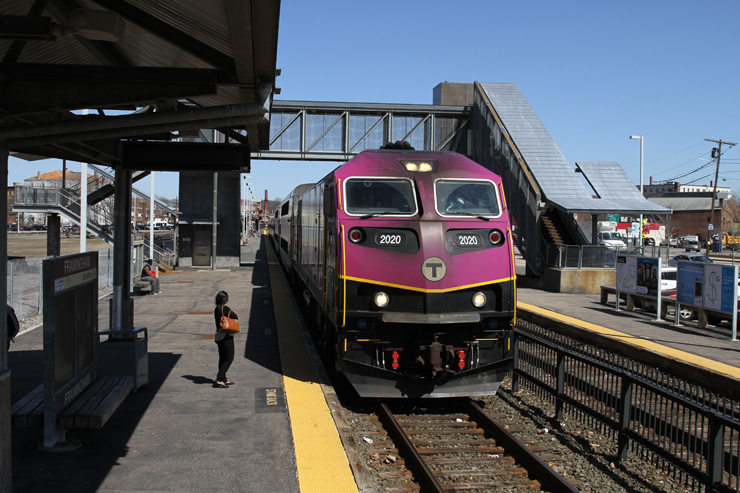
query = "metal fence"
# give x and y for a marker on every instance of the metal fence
(681, 427)
(25, 278)
(596, 256)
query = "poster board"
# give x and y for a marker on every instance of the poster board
(711, 286)
(639, 275)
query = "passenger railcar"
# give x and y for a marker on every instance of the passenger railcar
(405, 259)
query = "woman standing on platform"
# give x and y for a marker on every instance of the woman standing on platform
(224, 340)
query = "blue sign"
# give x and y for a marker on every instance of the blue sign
(690, 280)
(728, 288)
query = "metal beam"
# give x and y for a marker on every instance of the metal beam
(23, 28)
(81, 73)
(166, 31)
(92, 128)
(14, 52)
(107, 53)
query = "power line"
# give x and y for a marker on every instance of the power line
(677, 152)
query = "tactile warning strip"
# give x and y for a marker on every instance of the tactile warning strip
(320, 459)
(641, 342)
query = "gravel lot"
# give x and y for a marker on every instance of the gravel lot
(31, 245)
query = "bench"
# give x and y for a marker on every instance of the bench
(91, 409)
(142, 287)
(630, 299)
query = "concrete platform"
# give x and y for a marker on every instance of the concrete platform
(179, 433)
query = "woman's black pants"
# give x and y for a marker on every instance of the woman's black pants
(225, 356)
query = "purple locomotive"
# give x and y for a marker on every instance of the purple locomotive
(405, 259)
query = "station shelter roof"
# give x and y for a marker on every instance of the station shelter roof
(144, 69)
(555, 176)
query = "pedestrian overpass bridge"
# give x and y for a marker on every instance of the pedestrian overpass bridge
(498, 129)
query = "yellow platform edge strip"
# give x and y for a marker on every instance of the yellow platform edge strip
(638, 341)
(321, 462)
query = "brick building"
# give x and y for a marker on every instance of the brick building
(691, 212)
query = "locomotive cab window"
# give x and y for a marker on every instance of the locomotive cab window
(380, 196)
(466, 197)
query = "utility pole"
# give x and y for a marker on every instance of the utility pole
(714, 194)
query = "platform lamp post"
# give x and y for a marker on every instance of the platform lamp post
(250, 212)
(642, 148)
(244, 208)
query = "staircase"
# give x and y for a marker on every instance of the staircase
(554, 229)
(66, 201)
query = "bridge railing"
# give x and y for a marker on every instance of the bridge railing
(596, 256)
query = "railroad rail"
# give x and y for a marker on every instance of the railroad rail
(464, 451)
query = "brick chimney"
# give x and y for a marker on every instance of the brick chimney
(651, 180)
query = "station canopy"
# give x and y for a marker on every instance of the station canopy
(143, 70)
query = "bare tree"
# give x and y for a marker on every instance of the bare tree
(671, 223)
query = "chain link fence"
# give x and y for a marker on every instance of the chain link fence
(25, 282)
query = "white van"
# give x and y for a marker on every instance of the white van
(611, 239)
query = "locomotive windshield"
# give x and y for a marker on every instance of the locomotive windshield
(380, 196)
(474, 197)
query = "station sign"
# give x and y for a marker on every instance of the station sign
(70, 294)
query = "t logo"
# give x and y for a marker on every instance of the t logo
(434, 269)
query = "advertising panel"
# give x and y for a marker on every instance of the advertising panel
(639, 275)
(711, 286)
(648, 277)
(690, 280)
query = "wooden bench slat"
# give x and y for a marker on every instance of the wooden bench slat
(67, 418)
(23, 408)
(110, 403)
(91, 409)
(36, 417)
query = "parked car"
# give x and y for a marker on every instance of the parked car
(692, 245)
(693, 257)
(649, 242)
(673, 242)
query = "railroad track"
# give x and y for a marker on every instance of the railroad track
(465, 450)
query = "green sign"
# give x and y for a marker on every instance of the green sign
(612, 217)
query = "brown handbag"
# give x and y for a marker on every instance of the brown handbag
(230, 325)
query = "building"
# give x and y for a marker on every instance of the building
(652, 188)
(196, 221)
(692, 212)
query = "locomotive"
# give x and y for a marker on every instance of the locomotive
(405, 259)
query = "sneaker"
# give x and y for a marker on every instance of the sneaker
(157, 293)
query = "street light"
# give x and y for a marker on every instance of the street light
(642, 144)
(244, 207)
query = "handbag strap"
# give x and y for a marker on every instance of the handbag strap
(222, 312)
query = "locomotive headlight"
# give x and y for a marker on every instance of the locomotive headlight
(381, 299)
(424, 167)
(412, 167)
(479, 299)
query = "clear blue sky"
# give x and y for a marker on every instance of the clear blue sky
(594, 72)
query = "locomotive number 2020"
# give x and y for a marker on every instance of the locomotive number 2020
(467, 240)
(389, 239)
